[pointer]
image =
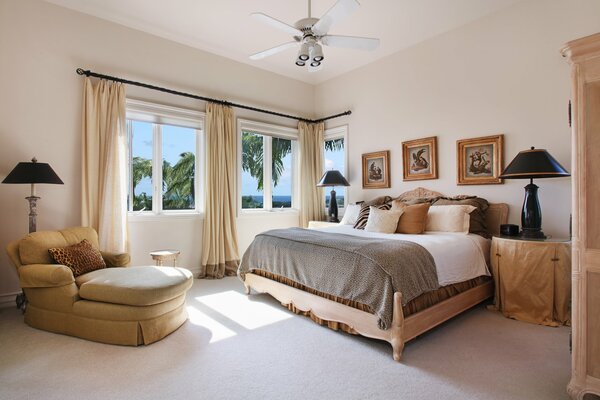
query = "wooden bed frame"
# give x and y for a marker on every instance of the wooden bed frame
(402, 329)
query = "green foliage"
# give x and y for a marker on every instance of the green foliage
(334, 144)
(252, 156)
(249, 202)
(178, 183)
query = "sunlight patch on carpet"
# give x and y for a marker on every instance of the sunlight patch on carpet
(240, 309)
(218, 331)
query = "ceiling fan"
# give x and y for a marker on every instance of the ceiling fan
(309, 33)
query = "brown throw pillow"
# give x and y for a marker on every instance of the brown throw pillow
(81, 257)
(477, 223)
(363, 215)
(414, 218)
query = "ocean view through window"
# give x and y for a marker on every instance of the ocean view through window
(164, 159)
(268, 167)
(335, 158)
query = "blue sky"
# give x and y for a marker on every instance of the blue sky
(176, 140)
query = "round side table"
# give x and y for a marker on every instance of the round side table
(160, 256)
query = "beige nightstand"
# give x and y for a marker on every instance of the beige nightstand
(532, 279)
(321, 224)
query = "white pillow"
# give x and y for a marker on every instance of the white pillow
(383, 221)
(452, 218)
(350, 214)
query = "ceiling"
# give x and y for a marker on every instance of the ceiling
(225, 27)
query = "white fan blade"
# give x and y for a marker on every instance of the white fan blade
(274, 50)
(350, 42)
(336, 13)
(275, 23)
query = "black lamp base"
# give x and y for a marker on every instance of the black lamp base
(531, 216)
(332, 212)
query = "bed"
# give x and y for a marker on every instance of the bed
(460, 288)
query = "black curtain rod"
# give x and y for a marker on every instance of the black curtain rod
(81, 71)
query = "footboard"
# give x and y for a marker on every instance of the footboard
(401, 331)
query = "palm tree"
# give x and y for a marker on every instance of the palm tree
(178, 182)
(334, 144)
(141, 168)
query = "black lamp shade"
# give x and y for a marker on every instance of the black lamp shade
(33, 172)
(333, 178)
(534, 164)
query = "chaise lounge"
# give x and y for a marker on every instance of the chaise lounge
(116, 305)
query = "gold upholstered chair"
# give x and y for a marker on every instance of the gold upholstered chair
(117, 305)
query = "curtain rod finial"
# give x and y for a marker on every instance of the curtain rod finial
(81, 71)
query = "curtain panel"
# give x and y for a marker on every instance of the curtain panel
(219, 239)
(311, 170)
(104, 163)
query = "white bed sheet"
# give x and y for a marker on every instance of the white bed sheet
(458, 257)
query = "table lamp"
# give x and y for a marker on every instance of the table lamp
(533, 164)
(32, 172)
(333, 178)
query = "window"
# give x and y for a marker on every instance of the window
(268, 167)
(165, 146)
(335, 158)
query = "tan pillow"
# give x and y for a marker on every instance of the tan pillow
(383, 221)
(477, 223)
(81, 257)
(413, 219)
(453, 218)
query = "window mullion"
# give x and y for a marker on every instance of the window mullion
(157, 169)
(267, 173)
(129, 128)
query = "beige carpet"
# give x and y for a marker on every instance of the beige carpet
(235, 347)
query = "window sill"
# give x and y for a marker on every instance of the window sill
(147, 217)
(268, 213)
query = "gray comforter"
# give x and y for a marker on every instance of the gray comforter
(362, 269)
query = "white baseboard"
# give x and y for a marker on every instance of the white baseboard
(8, 299)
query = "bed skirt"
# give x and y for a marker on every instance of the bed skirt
(420, 303)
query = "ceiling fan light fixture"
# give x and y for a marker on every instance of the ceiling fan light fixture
(303, 53)
(300, 63)
(315, 64)
(317, 53)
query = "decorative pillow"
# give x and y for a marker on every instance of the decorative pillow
(383, 221)
(363, 216)
(351, 214)
(81, 257)
(449, 218)
(477, 223)
(414, 218)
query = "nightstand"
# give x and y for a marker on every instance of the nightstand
(532, 279)
(321, 224)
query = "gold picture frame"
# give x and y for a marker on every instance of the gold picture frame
(480, 160)
(419, 159)
(376, 170)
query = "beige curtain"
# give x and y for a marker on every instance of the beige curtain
(219, 239)
(311, 169)
(104, 163)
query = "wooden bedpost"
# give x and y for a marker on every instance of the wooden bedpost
(397, 329)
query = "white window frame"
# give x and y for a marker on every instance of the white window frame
(338, 132)
(268, 131)
(160, 114)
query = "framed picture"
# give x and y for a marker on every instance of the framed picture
(376, 170)
(419, 159)
(479, 160)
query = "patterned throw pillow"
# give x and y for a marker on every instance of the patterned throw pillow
(81, 257)
(363, 215)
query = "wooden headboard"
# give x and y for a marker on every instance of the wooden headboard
(496, 214)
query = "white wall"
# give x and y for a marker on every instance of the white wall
(41, 45)
(500, 74)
